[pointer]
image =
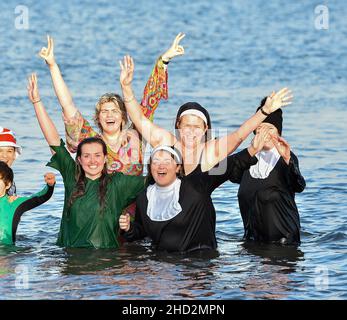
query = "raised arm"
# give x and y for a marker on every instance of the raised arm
(157, 85)
(48, 128)
(218, 149)
(151, 132)
(61, 90)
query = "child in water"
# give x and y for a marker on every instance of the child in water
(12, 208)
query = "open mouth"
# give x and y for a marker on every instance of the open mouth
(93, 167)
(161, 173)
(110, 122)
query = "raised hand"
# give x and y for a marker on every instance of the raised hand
(50, 178)
(260, 139)
(175, 50)
(278, 100)
(33, 91)
(282, 147)
(48, 53)
(124, 222)
(127, 71)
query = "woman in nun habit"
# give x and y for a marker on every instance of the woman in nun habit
(267, 189)
(176, 210)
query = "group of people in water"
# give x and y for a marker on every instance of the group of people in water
(108, 200)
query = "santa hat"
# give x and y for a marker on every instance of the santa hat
(7, 139)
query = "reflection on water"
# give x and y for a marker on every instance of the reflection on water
(278, 262)
(275, 254)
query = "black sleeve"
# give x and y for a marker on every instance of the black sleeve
(29, 204)
(136, 231)
(294, 178)
(231, 168)
(242, 161)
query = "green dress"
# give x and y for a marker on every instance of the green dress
(11, 212)
(82, 224)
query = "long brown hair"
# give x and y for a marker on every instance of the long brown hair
(80, 176)
(118, 102)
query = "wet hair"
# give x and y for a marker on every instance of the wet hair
(117, 100)
(80, 186)
(180, 174)
(194, 106)
(6, 174)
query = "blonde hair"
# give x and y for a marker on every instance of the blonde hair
(118, 102)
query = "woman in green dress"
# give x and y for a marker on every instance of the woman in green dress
(93, 199)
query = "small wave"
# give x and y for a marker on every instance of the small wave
(332, 236)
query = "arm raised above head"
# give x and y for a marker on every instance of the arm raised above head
(218, 149)
(151, 132)
(61, 89)
(157, 84)
(175, 50)
(48, 128)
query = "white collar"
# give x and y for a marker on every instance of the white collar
(163, 202)
(267, 160)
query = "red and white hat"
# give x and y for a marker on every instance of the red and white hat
(8, 139)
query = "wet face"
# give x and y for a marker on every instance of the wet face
(272, 130)
(164, 168)
(7, 155)
(92, 160)
(110, 118)
(3, 187)
(192, 129)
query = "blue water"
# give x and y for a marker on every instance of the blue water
(236, 52)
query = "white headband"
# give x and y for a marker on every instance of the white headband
(195, 113)
(170, 150)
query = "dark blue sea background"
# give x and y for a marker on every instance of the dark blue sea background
(236, 53)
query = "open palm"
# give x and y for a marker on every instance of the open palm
(127, 71)
(278, 100)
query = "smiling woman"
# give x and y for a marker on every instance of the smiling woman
(124, 148)
(193, 124)
(93, 199)
(176, 211)
(123, 143)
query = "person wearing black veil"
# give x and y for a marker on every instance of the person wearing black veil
(267, 189)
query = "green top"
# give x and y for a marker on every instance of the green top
(82, 224)
(11, 212)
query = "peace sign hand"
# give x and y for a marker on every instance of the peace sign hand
(175, 50)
